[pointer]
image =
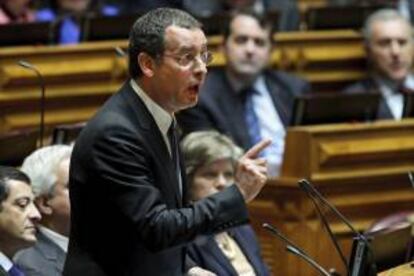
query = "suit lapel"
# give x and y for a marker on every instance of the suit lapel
(184, 198)
(278, 95)
(2, 271)
(244, 246)
(384, 111)
(215, 252)
(235, 114)
(153, 137)
(50, 250)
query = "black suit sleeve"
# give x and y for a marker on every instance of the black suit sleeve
(126, 168)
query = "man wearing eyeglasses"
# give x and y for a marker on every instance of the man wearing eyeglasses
(246, 100)
(129, 209)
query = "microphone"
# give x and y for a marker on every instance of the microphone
(361, 262)
(311, 190)
(411, 178)
(119, 52)
(294, 249)
(324, 221)
(41, 80)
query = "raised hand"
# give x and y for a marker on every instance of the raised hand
(251, 171)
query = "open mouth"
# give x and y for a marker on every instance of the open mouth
(194, 89)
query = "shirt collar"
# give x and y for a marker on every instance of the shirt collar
(258, 84)
(57, 238)
(390, 86)
(162, 118)
(5, 262)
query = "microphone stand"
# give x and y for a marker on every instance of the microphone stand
(411, 178)
(119, 52)
(325, 223)
(41, 80)
(363, 250)
(294, 249)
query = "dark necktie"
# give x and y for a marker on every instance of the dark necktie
(172, 137)
(402, 89)
(15, 271)
(252, 121)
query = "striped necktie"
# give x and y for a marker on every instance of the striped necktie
(251, 118)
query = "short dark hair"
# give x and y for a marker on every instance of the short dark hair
(263, 19)
(147, 34)
(6, 174)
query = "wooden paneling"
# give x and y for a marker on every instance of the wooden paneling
(360, 168)
(80, 77)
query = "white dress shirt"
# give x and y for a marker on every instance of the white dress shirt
(162, 118)
(5, 262)
(271, 126)
(395, 101)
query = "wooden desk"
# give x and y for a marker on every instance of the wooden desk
(360, 168)
(402, 270)
(80, 77)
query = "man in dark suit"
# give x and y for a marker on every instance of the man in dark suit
(48, 169)
(388, 39)
(129, 213)
(18, 218)
(245, 100)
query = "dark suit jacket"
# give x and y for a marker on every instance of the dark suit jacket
(125, 197)
(369, 86)
(221, 108)
(3, 272)
(45, 258)
(206, 253)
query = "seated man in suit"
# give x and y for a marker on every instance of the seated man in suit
(388, 39)
(48, 168)
(18, 217)
(245, 100)
(210, 159)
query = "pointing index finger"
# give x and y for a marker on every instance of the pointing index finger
(256, 149)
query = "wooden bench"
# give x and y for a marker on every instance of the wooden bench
(80, 77)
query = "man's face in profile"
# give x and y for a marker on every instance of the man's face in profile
(18, 216)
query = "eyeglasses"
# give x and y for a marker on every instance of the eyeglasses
(188, 60)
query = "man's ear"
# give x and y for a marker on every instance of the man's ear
(42, 203)
(147, 64)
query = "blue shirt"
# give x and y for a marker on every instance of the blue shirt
(271, 126)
